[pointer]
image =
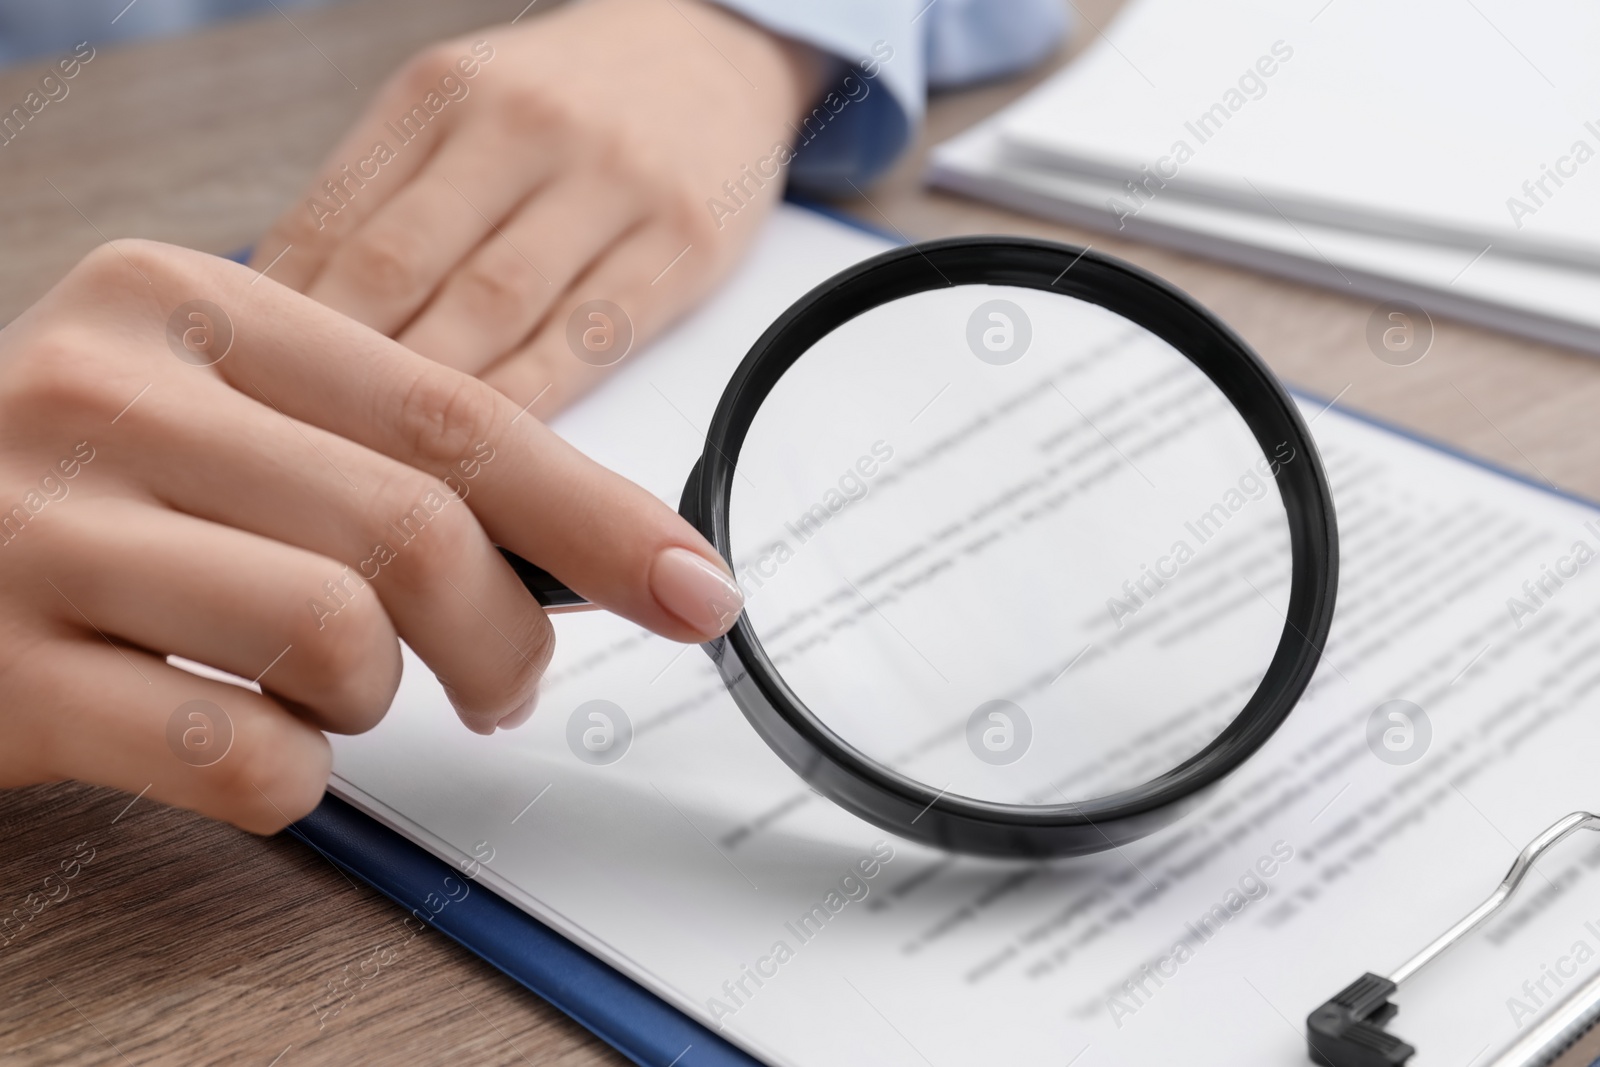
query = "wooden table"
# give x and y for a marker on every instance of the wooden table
(188, 941)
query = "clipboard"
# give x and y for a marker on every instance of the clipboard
(650, 1031)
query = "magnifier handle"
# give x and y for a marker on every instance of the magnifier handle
(549, 592)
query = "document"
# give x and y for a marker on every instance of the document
(1420, 151)
(698, 864)
(1487, 285)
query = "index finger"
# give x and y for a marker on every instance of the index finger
(608, 539)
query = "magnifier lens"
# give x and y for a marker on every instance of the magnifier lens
(1011, 545)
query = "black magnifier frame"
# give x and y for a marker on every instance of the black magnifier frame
(903, 805)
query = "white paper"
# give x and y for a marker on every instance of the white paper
(685, 863)
(1422, 119)
(1547, 301)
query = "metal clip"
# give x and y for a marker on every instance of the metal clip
(1349, 1030)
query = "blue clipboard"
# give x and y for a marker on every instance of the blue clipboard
(612, 1006)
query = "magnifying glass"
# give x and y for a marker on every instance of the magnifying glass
(1034, 548)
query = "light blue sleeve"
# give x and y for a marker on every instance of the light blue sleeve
(889, 54)
(33, 30)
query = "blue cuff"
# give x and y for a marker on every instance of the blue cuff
(868, 116)
(890, 52)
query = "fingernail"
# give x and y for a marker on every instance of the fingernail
(521, 715)
(696, 590)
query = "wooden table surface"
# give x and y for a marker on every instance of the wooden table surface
(187, 941)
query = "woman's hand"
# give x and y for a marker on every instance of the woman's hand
(503, 180)
(196, 461)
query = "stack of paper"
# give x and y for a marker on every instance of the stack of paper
(1440, 151)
